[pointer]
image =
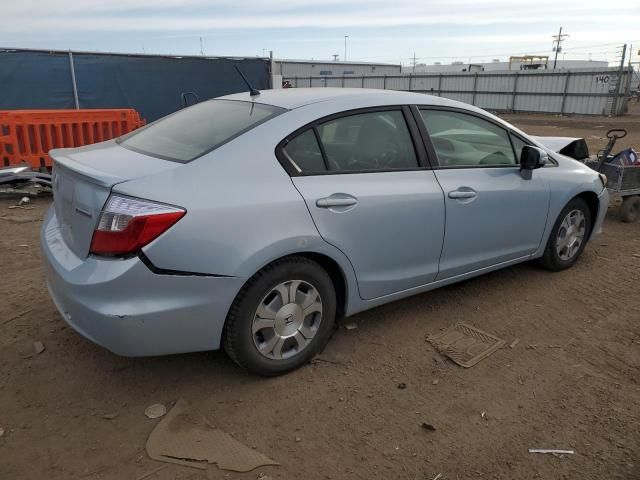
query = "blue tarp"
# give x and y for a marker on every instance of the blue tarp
(151, 84)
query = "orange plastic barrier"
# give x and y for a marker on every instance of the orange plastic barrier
(28, 135)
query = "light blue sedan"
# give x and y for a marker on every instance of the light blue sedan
(252, 222)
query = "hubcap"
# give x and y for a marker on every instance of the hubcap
(287, 319)
(570, 235)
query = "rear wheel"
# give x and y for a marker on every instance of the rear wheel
(568, 236)
(283, 316)
(630, 210)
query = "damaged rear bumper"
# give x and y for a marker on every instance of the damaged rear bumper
(123, 306)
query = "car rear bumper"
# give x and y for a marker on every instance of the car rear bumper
(123, 306)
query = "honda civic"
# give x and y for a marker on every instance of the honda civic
(253, 221)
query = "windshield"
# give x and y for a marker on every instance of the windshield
(194, 131)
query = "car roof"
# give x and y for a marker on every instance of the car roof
(291, 98)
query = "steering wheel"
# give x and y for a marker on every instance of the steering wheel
(381, 161)
(495, 158)
(617, 133)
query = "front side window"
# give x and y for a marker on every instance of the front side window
(518, 145)
(368, 142)
(196, 130)
(462, 140)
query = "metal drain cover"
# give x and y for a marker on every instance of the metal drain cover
(465, 345)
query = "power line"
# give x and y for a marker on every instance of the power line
(616, 44)
(595, 49)
(571, 51)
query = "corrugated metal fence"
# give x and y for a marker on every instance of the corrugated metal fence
(600, 91)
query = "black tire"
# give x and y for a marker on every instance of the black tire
(238, 339)
(630, 210)
(550, 259)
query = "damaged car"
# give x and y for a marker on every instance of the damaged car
(254, 221)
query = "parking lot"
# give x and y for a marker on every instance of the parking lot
(570, 382)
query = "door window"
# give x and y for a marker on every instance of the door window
(518, 145)
(462, 140)
(304, 153)
(368, 142)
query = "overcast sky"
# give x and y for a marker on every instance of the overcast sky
(379, 30)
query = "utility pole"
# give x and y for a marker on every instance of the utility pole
(335, 57)
(345, 47)
(624, 56)
(614, 109)
(414, 62)
(201, 51)
(557, 40)
(627, 92)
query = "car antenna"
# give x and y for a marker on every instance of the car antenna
(252, 91)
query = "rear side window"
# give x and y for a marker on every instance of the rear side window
(194, 131)
(462, 140)
(304, 153)
(368, 142)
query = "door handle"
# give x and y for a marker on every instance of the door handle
(330, 202)
(460, 194)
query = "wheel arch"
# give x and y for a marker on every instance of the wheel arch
(591, 199)
(339, 277)
(559, 201)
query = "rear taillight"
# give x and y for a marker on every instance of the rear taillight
(128, 224)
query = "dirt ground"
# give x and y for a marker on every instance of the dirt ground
(572, 381)
(592, 129)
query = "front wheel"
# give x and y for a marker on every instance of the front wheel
(568, 237)
(282, 317)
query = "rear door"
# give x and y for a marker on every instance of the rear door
(494, 214)
(371, 194)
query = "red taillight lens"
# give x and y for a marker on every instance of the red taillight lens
(128, 224)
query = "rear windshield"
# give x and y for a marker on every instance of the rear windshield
(194, 131)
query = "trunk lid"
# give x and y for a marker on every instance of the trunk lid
(82, 180)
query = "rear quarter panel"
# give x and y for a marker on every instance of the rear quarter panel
(242, 209)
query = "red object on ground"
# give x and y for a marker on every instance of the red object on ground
(28, 135)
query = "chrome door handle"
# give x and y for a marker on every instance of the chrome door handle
(330, 202)
(457, 194)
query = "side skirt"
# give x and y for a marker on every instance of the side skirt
(367, 304)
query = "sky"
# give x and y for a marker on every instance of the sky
(389, 31)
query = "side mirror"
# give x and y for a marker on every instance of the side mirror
(532, 158)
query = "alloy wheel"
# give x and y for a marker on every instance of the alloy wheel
(287, 319)
(571, 235)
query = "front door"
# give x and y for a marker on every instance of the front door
(371, 196)
(493, 214)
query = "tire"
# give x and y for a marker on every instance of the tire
(556, 260)
(630, 210)
(256, 343)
